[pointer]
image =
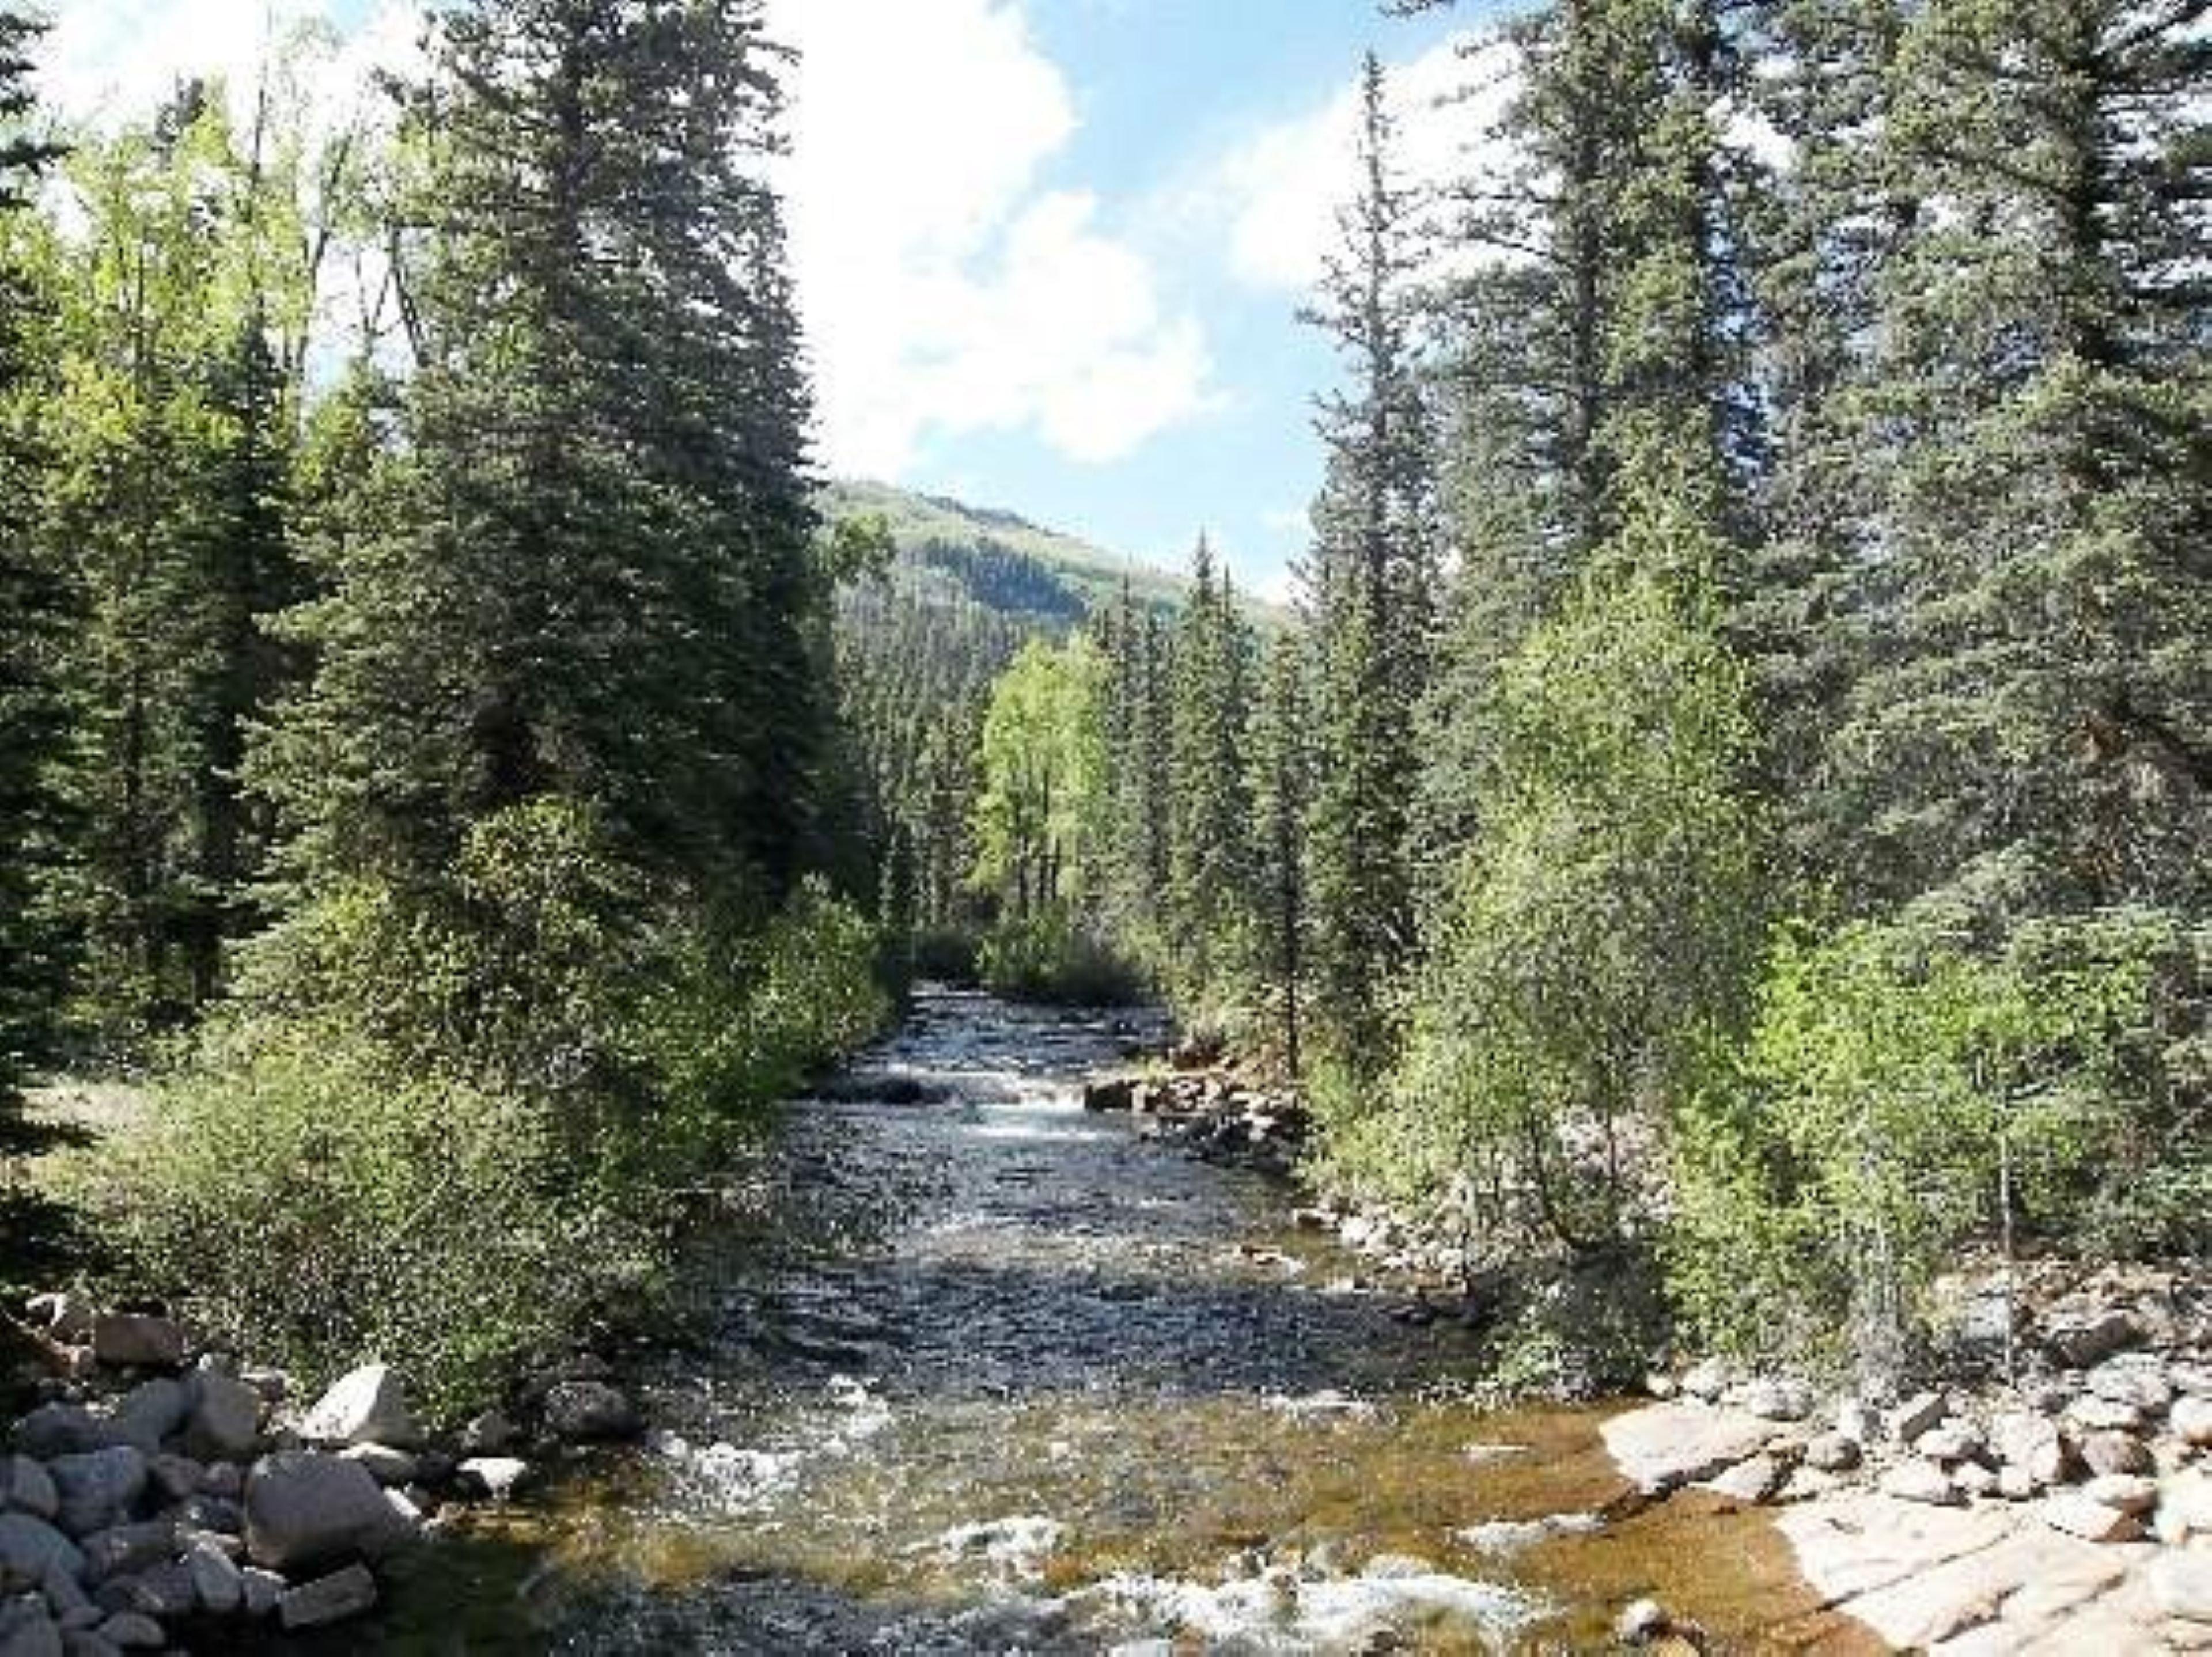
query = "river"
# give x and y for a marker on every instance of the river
(979, 1372)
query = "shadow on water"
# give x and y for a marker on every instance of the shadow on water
(980, 1373)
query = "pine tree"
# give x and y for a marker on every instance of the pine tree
(1372, 588)
(32, 610)
(1282, 796)
(1209, 841)
(2034, 706)
(595, 577)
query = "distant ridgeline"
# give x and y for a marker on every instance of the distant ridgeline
(1000, 562)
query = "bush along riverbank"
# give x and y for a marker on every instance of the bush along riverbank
(163, 1492)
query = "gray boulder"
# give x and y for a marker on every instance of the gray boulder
(53, 1430)
(226, 1418)
(34, 1637)
(98, 1487)
(122, 1548)
(150, 1412)
(133, 1631)
(2082, 1337)
(591, 1409)
(366, 1406)
(26, 1487)
(30, 1547)
(303, 1507)
(262, 1589)
(329, 1600)
(217, 1580)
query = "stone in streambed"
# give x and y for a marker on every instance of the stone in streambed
(30, 1547)
(150, 1412)
(2115, 1453)
(328, 1599)
(226, 1418)
(98, 1487)
(1917, 1415)
(1832, 1453)
(216, 1579)
(133, 1339)
(26, 1487)
(35, 1637)
(2191, 1421)
(366, 1406)
(1663, 1447)
(303, 1507)
(2077, 1514)
(591, 1411)
(2128, 1492)
(2181, 1584)
(1921, 1481)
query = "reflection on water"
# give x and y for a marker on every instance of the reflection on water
(984, 1373)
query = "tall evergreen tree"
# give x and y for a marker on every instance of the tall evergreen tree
(1282, 798)
(595, 579)
(2035, 698)
(1372, 584)
(1209, 841)
(33, 607)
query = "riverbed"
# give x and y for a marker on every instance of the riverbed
(971, 1370)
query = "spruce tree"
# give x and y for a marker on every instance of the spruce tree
(32, 609)
(1282, 795)
(1209, 841)
(1371, 583)
(2034, 707)
(594, 577)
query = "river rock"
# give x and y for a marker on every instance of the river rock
(26, 1487)
(1921, 1481)
(2185, 1507)
(2034, 1444)
(1774, 1401)
(2077, 1514)
(35, 1637)
(1917, 1415)
(2115, 1453)
(226, 1418)
(2128, 1492)
(53, 1430)
(2181, 1584)
(2080, 1338)
(1662, 1446)
(591, 1409)
(1832, 1453)
(123, 1548)
(135, 1339)
(1641, 1622)
(1954, 1441)
(1859, 1421)
(1974, 1478)
(216, 1579)
(488, 1433)
(1754, 1480)
(365, 1406)
(497, 1476)
(2191, 1421)
(30, 1547)
(305, 1507)
(2138, 1381)
(329, 1600)
(385, 1465)
(133, 1631)
(150, 1412)
(2095, 1413)
(262, 1591)
(98, 1487)
(1705, 1379)
(166, 1591)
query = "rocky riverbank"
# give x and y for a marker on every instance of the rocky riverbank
(1216, 1115)
(164, 1496)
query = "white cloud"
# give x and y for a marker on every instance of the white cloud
(1280, 188)
(945, 291)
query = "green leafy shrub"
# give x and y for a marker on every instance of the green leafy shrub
(1602, 931)
(1900, 1095)
(446, 1124)
(1048, 957)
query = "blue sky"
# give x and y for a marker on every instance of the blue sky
(1049, 252)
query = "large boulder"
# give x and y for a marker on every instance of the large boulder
(303, 1507)
(150, 1412)
(226, 1418)
(132, 1338)
(590, 1410)
(2082, 1337)
(53, 1430)
(30, 1547)
(329, 1600)
(2191, 1421)
(28, 1487)
(98, 1487)
(367, 1406)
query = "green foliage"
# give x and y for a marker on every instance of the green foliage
(307, 1196)
(1602, 928)
(446, 1124)
(1037, 816)
(1051, 957)
(1899, 1095)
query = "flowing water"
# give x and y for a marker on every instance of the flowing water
(982, 1373)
